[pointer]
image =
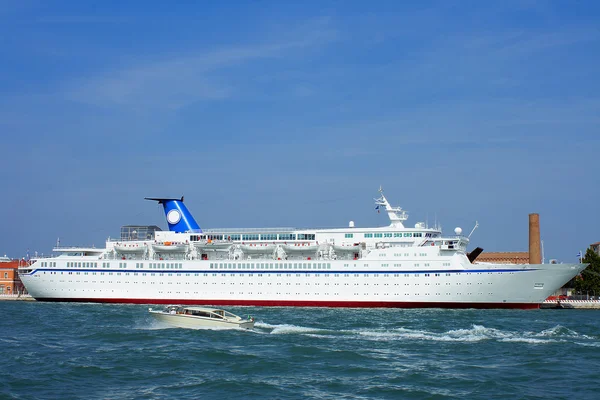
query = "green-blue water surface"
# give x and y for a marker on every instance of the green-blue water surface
(102, 351)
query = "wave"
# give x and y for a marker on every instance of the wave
(475, 333)
(287, 329)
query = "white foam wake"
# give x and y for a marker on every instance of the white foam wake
(475, 333)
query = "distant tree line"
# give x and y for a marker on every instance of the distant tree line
(588, 282)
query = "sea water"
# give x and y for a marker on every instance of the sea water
(103, 351)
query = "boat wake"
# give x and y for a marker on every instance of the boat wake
(476, 333)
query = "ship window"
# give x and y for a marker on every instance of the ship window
(397, 235)
(378, 235)
(368, 235)
(349, 235)
(387, 235)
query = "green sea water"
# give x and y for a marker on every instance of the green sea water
(102, 351)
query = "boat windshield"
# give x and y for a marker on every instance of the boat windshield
(205, 314)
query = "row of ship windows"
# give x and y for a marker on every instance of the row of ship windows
(299, 236)
(387, 235)
(229, 265)
(121, 265)
(255, 236)
(299, 293)
(198, 274)
(271, 265)
(48, 264)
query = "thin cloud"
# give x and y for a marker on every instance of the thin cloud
(83, 19)
(177, 82)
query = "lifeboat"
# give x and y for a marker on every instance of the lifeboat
(258, 248)
(170, 247)
(348, 247)
(130, 247)
(300, 247)
(213, 246)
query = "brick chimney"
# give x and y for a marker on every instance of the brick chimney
(535, 253)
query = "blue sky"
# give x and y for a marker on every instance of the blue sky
(267, 113)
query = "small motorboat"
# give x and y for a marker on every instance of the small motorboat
(201, 317)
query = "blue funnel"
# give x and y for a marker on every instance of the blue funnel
(178, 216)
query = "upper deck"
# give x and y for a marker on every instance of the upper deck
(281, 243)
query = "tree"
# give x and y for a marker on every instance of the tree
(589, 280)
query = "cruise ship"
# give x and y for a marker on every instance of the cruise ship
(389, 266)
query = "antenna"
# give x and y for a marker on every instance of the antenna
(543, 258)
(475, 227)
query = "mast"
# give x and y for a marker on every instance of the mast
(395, 214)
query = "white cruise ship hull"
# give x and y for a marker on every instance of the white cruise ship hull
(334, 285)
(389, 266)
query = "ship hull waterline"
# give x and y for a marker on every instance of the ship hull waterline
(304, 303)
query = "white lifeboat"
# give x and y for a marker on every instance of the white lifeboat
(130, 247)
(258, 248)
(347, 247)
(212, 245)
(170, 247)
(300, 247)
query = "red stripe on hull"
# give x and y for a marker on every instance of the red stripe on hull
(305, 303)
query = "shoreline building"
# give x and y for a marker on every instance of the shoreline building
(10, 282)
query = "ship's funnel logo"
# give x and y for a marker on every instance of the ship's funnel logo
(178, 216)
(173, 217)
